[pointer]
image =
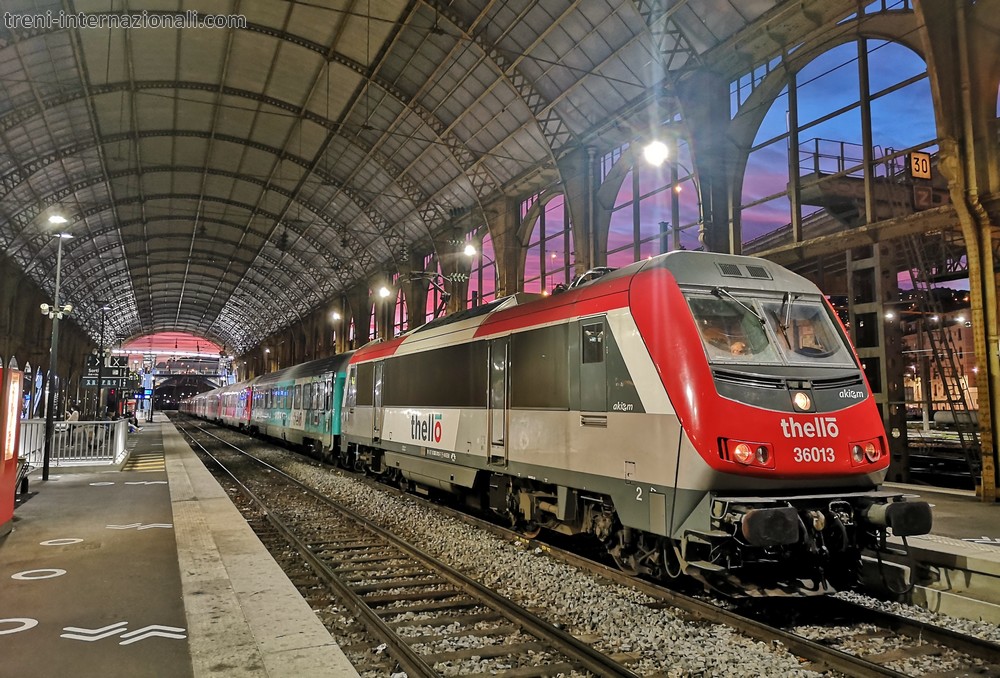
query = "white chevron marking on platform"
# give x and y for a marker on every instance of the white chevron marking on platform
(151, 631)
(90, 635)
(139, 526)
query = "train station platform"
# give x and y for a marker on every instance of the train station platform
(960, 558)
(149, 571)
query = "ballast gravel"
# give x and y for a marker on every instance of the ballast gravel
(613, 618)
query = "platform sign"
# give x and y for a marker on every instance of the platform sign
(106, 382)
(920, 165)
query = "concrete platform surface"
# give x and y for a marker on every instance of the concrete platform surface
(149, 572)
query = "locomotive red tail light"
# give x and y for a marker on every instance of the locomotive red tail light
(749, 454)
(866, 451)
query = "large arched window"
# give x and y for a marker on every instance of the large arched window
(436, 292)
(549, 257)
(656, 209)
(483, 275)
(399, 323)
(822, 140)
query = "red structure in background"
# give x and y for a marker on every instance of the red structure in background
(10, 427)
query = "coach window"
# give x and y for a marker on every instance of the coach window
(593, 343)
(297, 402)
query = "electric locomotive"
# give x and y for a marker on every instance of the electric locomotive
(697, 413)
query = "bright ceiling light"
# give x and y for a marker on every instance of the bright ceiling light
(57, 219)
(470, 250)
(656, 153)
(383, 292)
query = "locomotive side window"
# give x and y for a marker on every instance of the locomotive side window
(593, 343)
(366, 383)
(539, 369)
(418, 380)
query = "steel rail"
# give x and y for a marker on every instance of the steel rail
(575, 649)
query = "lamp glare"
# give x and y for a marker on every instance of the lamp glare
(656, 153)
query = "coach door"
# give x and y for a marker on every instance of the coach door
(499, 389)
(593, 369)
(377, 403)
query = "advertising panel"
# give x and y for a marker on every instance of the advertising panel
(10, 425)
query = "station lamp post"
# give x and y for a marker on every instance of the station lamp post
(472, 252)
(101, 357)
(55, 312)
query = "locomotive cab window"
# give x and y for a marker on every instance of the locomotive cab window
(805, 332)
(731, 329)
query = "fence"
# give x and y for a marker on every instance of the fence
(74, 443)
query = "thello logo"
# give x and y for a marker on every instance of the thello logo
(818, 427)
(427, 429)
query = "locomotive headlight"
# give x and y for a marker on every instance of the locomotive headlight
(802, 401)
(762, 455)
(748, 453)
(866, 452)
(743, 453)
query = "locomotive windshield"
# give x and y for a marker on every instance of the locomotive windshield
(805, 333)
(742, 329)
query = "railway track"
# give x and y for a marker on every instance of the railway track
(407, 600)
(828, 634)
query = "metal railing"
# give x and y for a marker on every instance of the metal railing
(74, 443)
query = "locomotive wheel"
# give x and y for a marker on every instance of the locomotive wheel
(626, 564)
(531, 529)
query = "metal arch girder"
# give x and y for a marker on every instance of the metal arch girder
(33, 210)
(173, 217)
(471, 165)
(307, 298)
(657, 16)
(555, 130)
(22, 218)
(364, 257)
(465, 157)
(325, 288)
(11, 179)
(32, 109)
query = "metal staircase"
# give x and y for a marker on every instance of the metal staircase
(943, 354)
(923, 272)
